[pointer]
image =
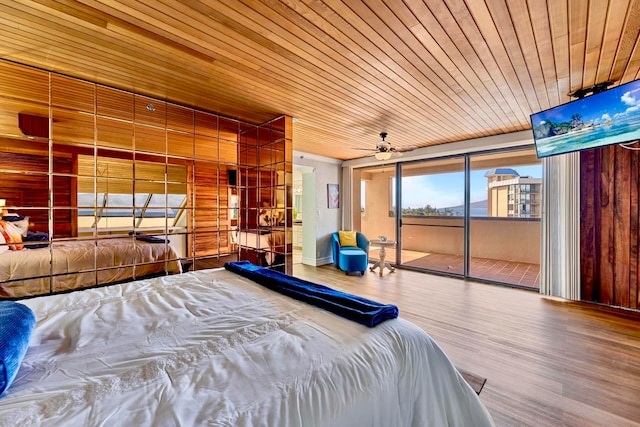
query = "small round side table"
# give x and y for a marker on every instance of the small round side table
(381, 263)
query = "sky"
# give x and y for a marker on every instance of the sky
(611, 104)
(447, 190)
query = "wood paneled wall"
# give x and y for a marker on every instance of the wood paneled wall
(610, 226)
(211, 213)
(26, 181)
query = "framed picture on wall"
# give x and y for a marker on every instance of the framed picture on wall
(333, 196)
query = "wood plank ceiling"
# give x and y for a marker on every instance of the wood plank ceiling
(427, 72)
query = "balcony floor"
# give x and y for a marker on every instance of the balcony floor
(513, 273)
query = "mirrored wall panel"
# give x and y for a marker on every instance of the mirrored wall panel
(101, 186)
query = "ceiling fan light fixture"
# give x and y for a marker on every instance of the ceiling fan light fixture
(383, 155)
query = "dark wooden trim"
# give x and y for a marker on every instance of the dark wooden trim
(634, 231)
(589, 271)
(610, 226)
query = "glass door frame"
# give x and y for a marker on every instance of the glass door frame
(398, 203)
(467, 158)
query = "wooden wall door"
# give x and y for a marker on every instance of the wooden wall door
(211, 213)
(610, 226)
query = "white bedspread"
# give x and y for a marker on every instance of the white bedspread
(212, 348)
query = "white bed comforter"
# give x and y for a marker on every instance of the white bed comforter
(212, 348)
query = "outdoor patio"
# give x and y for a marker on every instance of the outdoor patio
(509, 272)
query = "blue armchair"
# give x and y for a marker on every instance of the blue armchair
(351, 258)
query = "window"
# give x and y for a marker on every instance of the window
(122, 203)
(504, 210)
(392, 197)
(430, 192)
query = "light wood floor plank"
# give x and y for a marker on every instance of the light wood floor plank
(548, 362)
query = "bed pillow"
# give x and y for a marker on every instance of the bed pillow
(12, 235)
(17, 322)
(347, 238)
(22, 222)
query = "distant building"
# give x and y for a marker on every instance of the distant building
(512, 195)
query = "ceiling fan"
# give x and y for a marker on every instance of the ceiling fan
(384, 150)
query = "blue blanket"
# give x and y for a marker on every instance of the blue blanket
(16, 324)
(36, 236)
(151, 239)
(351, 307)
(146, 238)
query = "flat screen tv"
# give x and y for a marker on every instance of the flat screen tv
(608, 117)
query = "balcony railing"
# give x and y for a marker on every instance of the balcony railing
(509, 239)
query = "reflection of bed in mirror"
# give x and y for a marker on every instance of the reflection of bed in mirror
(26, 272)
(83, 160)
(269, 241)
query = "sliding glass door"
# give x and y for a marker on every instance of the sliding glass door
(432, 215)
(504, 225)
(372, 214)
(472, 215)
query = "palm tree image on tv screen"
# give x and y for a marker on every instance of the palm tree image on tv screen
(609, 117)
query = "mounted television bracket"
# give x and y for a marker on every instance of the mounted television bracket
(597, 88)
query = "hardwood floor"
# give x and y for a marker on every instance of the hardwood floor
(548, 362)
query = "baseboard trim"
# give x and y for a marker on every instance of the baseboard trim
(317, 261)
(325, 260)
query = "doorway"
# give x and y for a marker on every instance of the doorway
(431, 194)
(373, 208)
(298, 214)
(304, 221)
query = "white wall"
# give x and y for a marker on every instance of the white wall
(318, 220)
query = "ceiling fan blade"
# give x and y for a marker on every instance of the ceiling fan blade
(402, 149)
